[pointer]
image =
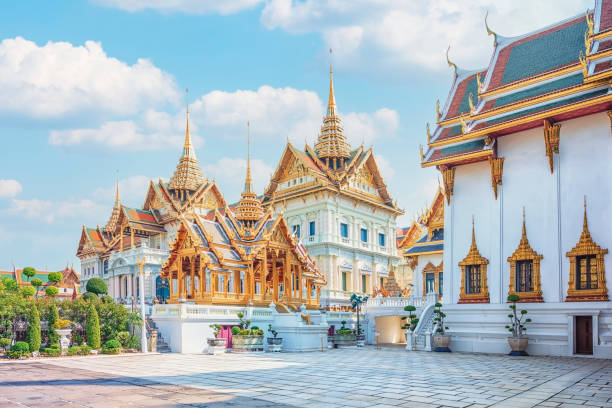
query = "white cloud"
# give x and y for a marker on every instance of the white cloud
(385, 168)
(365, 127)
(152, 130)
(183, 6)
(50, 211)
(414, 33)
(132, 191)
(9, 188)
(59, 78)
(229, 174)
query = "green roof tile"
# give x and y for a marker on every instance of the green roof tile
(539, 90)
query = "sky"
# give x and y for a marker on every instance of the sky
(94, 91)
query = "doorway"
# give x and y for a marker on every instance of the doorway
(584, 334)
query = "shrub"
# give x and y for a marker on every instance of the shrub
(134, 343)
(55, 346)
(96, 286)
(111, 347)
(235, 330)
(52, 291)
(92, 327)
(19, 349)
(85, 350)
(344, 331)
(216, 329)
(4, 343)
(254, 328)
(52, 317)
(107, 299)
(52, 352)
(29, 272)
(37, 283)
(33, 331)
(517, 322)
(123, 338)
(55, 277)
(77, 338)
(413, 320)
(73, 350)
(28, 291)
(271, 330)
(439, 319)
(89, 296)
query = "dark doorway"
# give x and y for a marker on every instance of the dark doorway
(584, 334)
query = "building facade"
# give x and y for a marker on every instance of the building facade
(141, 236)
(68, 287)
(336, 202)
(523, 147)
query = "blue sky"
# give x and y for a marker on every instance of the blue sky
(89, 89)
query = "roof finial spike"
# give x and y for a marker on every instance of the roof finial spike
(489, 31)
(473, 234)
(187, 148)
(585, 225)
(117, 189)
(448, 61)
(248, 181)
(524, 228)
(331, 103)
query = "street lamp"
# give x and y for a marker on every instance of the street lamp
(356, 302)
(143, 332)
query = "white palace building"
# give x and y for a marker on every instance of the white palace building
(524, 148)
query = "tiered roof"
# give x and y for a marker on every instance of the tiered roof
(249, 209)
(188, 175)
(432, 220)
(555, 73)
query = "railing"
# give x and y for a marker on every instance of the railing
(401, 302)
(336, 294)
(191, 311)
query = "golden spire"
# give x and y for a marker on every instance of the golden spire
(117, 193)
(249, 209)
(331, 145)
(585, 223)
(188, 175)
(114, 218)
(473, 235)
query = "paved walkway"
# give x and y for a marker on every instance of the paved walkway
(335, 378)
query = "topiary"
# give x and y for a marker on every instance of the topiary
(107, 299)
(19, 349)
(89, 296)
(111, 347)
(37, 283)
(55, 277)
(52, 291)
(92, 327)
(33, 331)
(235, 330)
(96, 286)
(123, 337)
(29, 272)
(52, 317)
(28, 291)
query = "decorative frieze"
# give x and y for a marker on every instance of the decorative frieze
(551, 140)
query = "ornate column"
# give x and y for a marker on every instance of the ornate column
(274, 278)
(300, 282)
(288, 275)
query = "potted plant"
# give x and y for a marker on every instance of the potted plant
(246, 338)
(356, 302)
(441, 339)
(274, 343)
(344, 337)
(518, 341)
(62, 328)
(216, 345)
(410, 326)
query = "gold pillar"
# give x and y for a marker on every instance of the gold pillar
(287, 273)
(192, 279)
(274, 278)
(170, 285)
(300, 282)
(131, 237)
(121, 239)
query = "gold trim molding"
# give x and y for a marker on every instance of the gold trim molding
(551, 139)
(497, 168)
(448, 177)
(524, 252)
(586, 246)
(474, 258)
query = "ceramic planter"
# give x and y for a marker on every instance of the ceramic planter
(441, 342)
(275, 344)
(242, 343)
(216, 346)
(518, 345)
(345, 340)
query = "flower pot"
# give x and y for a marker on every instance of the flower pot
(242, 343)
(360, 340)
(216, 346)
(518, 345)
(275, 344)
(64, 342)
(345, 340)
(441, 342)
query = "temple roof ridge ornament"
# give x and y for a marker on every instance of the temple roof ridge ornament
(331, 144)
(188, 175)
(249, 210)
(112, 221)
(489, 31)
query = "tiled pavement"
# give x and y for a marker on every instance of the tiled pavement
(335, 378)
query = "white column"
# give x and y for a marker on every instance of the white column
(129, 291)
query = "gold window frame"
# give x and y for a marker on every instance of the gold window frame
(436, 271)
(586, 246)
(524, 252)
(474, 258)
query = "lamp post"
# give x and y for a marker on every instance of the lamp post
(356, 302)
(143, 333)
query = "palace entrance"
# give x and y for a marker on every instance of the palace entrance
(389, 329)
(584, 334)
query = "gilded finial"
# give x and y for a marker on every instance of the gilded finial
(448, 61)
(587, 43)
(473, 233)
(471, 103)
(479, 83)
(117, 189)
(247, 183)
(585, 224)
(428, 133)
(489, 31)
(524, 229)
(438, 113)
(590, 23)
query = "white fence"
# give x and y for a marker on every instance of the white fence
(192, 311)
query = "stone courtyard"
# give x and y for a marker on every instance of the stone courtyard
(390, 377)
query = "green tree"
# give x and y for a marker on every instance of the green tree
(92, 328)
(33, 331)
(134, 319)
(52, 317)
(37, 283)
(10, 285)
(29, 272)
(55, 277)
(52, 291)
(28, 291)
(97, 286)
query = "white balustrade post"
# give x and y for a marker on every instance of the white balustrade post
(143, 334)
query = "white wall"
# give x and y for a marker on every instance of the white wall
(390, 330)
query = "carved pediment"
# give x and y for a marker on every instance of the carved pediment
(294, 169)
